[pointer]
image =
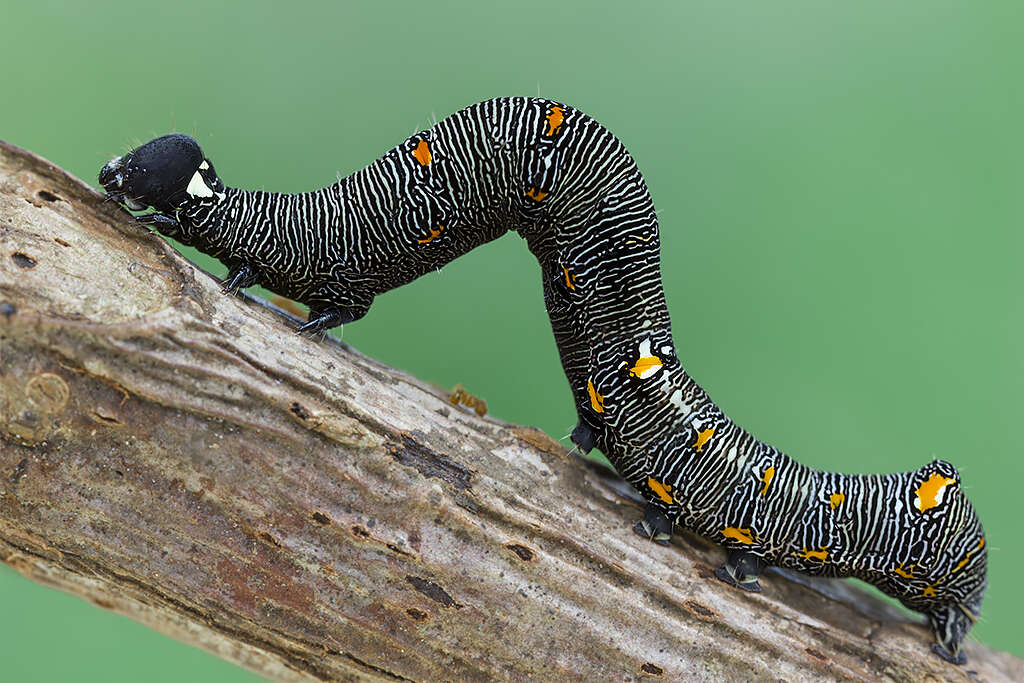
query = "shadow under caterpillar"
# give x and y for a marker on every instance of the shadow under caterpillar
(572, 191)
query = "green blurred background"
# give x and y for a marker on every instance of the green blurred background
(839, 187)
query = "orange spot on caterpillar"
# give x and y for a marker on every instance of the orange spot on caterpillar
(644, 366)
(555, 119)
(836, 499)
(660, 490)
(967, 557)
(596, 399)
(742, 535)
(702, 438)
(767, 477)
(929, 592)
(820, 555)
(458, 396)
(647, 364)
(536, 194)
(570, 279)
(434, 234)
(931, 491)
(422, 153)
(907, 573)
(638, 240)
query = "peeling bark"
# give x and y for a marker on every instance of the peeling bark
(180, 457)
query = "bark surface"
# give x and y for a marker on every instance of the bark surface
(181, 457)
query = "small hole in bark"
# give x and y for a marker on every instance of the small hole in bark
(19, 471)
(652, 669)
(23, 260)
(417, 614)
(817, 654)
(360, 532)
(300, 412)
(47, 196)
(698, 609)
(525, 554)
(321, 518)
(395, 549)
(270, 539)
(433, 591)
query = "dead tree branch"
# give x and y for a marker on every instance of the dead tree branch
(181, 457)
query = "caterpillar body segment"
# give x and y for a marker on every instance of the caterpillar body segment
(568, 187)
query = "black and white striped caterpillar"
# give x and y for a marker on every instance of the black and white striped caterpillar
(573, 192)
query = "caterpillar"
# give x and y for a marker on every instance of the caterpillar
(568, 187)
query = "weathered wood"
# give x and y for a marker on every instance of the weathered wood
(181, 457)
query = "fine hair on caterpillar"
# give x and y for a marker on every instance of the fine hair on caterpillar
(568, 187)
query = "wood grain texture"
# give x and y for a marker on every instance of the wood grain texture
(181, 457)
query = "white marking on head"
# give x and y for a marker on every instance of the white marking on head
(197, 187)
(204, 165)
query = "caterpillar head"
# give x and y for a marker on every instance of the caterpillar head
(167, 174)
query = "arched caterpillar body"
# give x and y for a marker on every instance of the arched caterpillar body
(570, 188)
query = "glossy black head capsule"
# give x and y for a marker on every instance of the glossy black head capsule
(164, 173)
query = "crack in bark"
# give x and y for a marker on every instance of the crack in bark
(433, 591)
(429, 463)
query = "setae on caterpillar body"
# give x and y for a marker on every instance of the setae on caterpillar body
(573, 192)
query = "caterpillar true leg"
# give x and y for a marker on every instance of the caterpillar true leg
(332, 304)
(323, 319)
(570, 188)
(242, 276)
(161, 221)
